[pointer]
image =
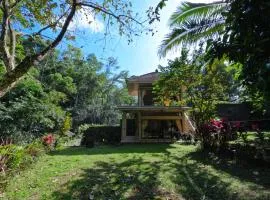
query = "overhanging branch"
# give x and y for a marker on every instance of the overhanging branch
(12, 76)
(108, 12)
(51, 25)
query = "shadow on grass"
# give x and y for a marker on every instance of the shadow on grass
(196, 183)
(137, 177)
(196, 180)
(251, 172)
(131, 179)
(121, 149)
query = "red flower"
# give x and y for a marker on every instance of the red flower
(48, 139)
(216, 123)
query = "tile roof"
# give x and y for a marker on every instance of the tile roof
(145, 78)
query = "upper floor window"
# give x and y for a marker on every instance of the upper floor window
(147, 97)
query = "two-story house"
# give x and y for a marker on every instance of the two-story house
(147, 122)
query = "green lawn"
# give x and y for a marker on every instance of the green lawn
(156, 171)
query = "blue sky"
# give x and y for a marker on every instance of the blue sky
(138, 57)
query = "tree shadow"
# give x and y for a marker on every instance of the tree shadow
(194, 175)
(131, 179)
(103, 150)
(196, 180)
(250, 172)
(197, 183)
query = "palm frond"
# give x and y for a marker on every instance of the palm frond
(189, 10)
(189, 33)
(193, 22)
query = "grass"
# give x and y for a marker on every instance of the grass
(153, 171)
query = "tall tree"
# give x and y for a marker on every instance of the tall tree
(64, 86)
(37, 21)
(246, 40)
(91, 89)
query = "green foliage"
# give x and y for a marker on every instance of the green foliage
(67, 124)
(100, 134)
(35, 148)
(64, 91)
(14, 156)
(26, 112)
(193, 22)
(82, 128)
(246, 40)
(196, 83)
(99, 87)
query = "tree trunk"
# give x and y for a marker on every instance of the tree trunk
(10, 79)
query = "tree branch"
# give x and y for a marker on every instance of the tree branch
(10, 78)
(50, 25)
(108, 12)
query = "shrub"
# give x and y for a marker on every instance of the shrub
(102, 135)
(49, 142)
(67, 124)
(82, 128)
(216, 133)
(12, 157)
(34, 149)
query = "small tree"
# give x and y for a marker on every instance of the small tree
(197, 83)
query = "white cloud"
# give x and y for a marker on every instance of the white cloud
(85, 20)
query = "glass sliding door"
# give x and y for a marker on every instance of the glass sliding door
(153, 128)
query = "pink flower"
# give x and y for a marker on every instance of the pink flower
(48, 139)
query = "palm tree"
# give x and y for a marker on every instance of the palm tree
(192, 22)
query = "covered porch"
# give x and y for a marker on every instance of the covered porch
(152, 124)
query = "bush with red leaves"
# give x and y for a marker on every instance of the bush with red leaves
(49, 141)
(216, 133)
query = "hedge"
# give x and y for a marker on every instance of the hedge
(101, 135)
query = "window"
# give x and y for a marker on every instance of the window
(159, 128)
(148, 97)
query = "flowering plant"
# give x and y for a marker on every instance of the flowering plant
(48, 141)
(216, 133)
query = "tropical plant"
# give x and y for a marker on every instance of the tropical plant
(49, 142)
(216, 133)
(28, 111)
(192, 22)
(246, 40)
(67, 124)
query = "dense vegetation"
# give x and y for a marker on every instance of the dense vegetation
(62, 93)
(236, 29)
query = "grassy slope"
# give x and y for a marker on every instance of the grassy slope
(138, 172)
